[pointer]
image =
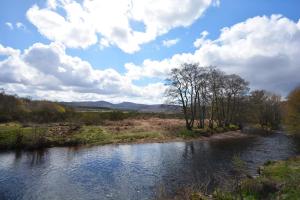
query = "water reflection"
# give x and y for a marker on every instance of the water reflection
(131, 171)
(38, 157)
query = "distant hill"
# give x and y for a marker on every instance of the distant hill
(124, 106)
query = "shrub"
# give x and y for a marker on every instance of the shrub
(117, 115)
(186, 133)
(219, 130)
(233, 127)
(90, 118)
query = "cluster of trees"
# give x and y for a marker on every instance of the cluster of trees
(208, 94)
(263, 108)
(292, 119)
(13, 108)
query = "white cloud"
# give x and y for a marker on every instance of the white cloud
(9, 25)
(20, 25)
(46, 71)
(55, 27)
(263, 50)
(110, 22)
(8, 51)
(201, 40)
(169, 43)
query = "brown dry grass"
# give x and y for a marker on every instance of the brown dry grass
(162, 126)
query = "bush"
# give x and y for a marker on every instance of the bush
(219, 130)
(292, 118)
(233, 127)
(117, 115)
(186, 133)
(90, 118)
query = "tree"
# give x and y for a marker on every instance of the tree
(235, 89)
(264, 109)
(183, 89)
(215, 78)
(206, 93)
(14, 108)
(292, 118)
(202, 96)
(209, 93)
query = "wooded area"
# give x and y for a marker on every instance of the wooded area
(206, 93)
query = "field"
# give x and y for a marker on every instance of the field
(131, 130)
(17, 135)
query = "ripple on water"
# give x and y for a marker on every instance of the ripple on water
(131, 171)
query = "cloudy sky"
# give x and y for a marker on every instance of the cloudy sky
(122, 50)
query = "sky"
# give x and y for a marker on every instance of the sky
(123, 50)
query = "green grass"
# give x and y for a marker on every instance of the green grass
(196, 132)
(14, 135)
(278, 180)
(96, 135)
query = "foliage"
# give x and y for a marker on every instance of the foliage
(264, 108)
(185, 133)
(13, 108)
(292, 119)
(13, 135)
(278, 180)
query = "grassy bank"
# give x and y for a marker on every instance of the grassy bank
(13, 136)
(277, 180)
(30, 136)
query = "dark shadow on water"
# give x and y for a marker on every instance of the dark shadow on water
(38, 157)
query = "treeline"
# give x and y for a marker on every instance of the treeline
(292, 112)
(209, 96)
(14, 108)
(24, 110)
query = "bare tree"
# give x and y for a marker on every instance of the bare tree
(202, 96)
(215, 84)
(235, 88)
(183, 90)
(208, 93)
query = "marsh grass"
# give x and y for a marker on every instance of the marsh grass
(14, 135)
(29, 136)
(17, 136)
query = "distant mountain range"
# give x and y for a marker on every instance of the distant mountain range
(124, 106)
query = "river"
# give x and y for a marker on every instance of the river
(132, 171)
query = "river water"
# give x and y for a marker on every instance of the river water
(136, 171)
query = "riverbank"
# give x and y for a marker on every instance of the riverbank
(32, 136)
(276, 180)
